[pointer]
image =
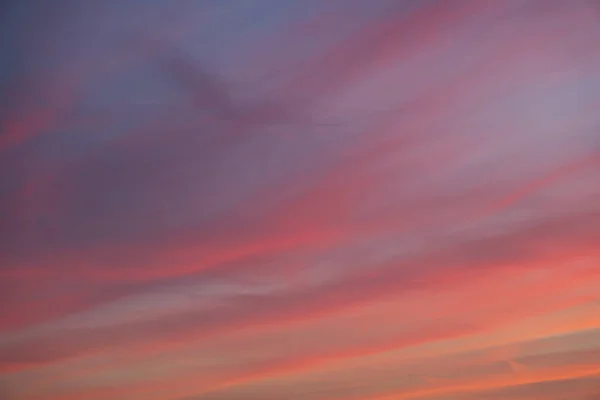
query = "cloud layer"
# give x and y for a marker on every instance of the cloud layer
(297, 200)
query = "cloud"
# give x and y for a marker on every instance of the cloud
(438, 240)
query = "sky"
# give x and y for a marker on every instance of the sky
(300, 200)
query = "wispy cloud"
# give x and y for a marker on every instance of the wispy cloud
(392, 200)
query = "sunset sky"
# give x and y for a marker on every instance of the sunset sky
(300, 200)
